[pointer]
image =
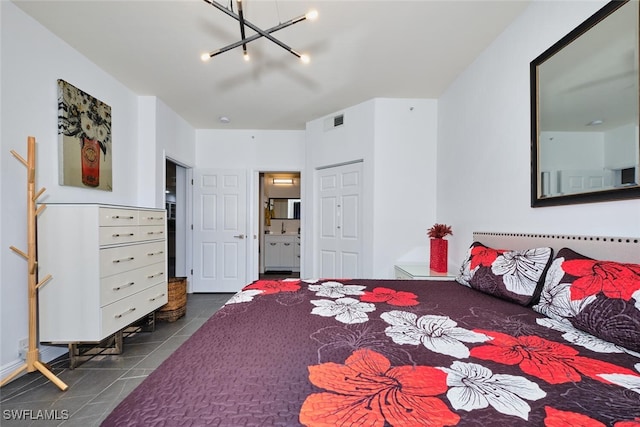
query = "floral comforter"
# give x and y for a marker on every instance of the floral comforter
(385, 353)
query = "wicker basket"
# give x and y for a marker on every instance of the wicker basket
(176, 306)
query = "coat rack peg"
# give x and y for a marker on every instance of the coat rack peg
(19, 157)
(19, 252)
(43, 281)
(33, 358)
(39, 193)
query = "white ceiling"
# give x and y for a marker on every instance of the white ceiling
(359, 50)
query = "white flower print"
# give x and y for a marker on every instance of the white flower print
(473, 386)
(466, 273)
(345, 310)
(439, 334)
(243, 296)
(555, 300)
(521, 270)
(581, 338)
(636, 296)
(336, 289)
(630, 382)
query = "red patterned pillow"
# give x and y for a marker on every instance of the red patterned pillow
(515, 276)
(599, 297)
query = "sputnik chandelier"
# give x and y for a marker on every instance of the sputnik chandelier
(311, 15)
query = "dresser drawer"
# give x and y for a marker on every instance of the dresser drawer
(122, 285)
(117, 216)
(119, 234)
(125, 258)
(151, 232)
(123, 312)
(152, 217)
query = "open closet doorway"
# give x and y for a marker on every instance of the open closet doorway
(176, 203)
(280, 208)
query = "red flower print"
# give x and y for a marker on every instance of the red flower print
(390, 296)
(613, 279)
(629, 423)
(550, 361)
(557, 418)
(481, 255)
(368, 391)
(274, 286)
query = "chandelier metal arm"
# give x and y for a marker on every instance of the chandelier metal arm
(241, 19)
(257, 29)
(252, 38)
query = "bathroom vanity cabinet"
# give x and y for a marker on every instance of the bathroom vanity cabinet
(282, 252)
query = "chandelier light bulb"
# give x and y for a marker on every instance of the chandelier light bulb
(246, 56)
(305, 58)
(205, 57)
(312, 15)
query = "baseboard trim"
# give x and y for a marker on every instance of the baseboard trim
(47, 354)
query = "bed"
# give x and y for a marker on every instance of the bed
(503, 345)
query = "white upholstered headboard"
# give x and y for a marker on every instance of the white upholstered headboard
(621, 249)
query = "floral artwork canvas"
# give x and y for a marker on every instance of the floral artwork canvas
(84, 139)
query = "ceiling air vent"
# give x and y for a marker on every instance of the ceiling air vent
(338, 120)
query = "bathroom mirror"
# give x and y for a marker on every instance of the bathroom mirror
(584, 112)
(285, 208)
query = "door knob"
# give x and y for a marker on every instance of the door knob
(239, 236)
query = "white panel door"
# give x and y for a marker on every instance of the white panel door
(219, 230)
(578, 181)
(340, 239)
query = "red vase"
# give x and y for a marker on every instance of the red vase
(438, 255)
(90, 157)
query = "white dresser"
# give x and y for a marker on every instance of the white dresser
(108, 266)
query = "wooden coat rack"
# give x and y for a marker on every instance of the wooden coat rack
(33, 358)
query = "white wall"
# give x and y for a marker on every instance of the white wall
(163, 134)
(396, 139)
(32, 60)
(266, 150)
(404, 205)
(484, 134)
(621, 147)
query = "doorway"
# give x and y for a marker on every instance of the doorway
(176, 204)
(280, 209)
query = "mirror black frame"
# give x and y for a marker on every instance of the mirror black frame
(569, 199)
(272, 203)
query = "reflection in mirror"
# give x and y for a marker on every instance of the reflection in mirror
(584, 112)
(285, 208)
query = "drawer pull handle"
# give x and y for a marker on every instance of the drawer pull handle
(287, 244)
(155, 298)
(122, 217)
(272, 244)
(123, 235)
(131, 310)
(155, 253)
(157, 218)
(155, 232)
(117, 288)
(115, 261)
(155, 275)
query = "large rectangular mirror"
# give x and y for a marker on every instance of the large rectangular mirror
(285, 208)
(584, 112)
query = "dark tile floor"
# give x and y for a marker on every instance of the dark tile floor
(99, 384)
